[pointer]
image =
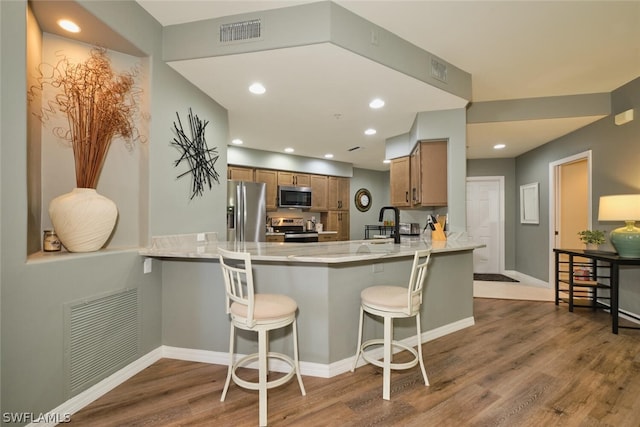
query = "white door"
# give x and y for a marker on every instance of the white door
(485, 222)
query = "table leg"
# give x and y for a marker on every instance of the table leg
(614, 297)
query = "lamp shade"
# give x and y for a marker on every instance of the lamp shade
(623, 207)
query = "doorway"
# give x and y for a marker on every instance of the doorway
(569, 203)
(485, 222)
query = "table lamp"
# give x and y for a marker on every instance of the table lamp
(623, 207)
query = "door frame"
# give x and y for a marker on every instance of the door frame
(501, 210)
(554, 183)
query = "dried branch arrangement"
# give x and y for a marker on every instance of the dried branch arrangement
(99, 105)
(196, 153)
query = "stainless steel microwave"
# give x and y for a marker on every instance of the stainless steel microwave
(294, 197)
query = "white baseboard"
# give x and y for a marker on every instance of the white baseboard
(84, 398)
(528, 280)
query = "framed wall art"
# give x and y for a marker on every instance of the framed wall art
(529, 204)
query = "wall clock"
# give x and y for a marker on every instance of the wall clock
(363, 200)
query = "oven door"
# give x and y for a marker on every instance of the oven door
(300, 237)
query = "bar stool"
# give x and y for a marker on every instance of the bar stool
(393, 302)
(260, 313)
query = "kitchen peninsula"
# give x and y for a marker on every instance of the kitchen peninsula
(324, 278)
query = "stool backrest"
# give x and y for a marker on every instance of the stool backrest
(238, 280)
(417, 279)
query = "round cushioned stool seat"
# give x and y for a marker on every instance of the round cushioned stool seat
(385, 297)
(267, 307)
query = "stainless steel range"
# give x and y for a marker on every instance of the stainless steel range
(294, 230)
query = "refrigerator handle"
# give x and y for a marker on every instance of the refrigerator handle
(241, 223)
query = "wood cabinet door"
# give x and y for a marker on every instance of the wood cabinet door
(294, 179)
(344, 232)
(319, 190)
(238, 173)
(400, 181)
(415, 173)
(269, 177)
(338, 221)
(285, 178)
(301, 180)
(339, 193)
(433, 179)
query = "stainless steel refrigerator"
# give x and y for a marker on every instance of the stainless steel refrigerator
(246, 211)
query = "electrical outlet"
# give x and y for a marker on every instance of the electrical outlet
(378, 268)
(146, 266)
(200, 237)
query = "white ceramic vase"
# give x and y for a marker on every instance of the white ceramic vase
(83, 219)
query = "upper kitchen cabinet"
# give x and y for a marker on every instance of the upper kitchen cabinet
(431, 184)
(294, 178)
(238, 173)
(269, 177)
(421, 178)
(319, 192)
(400, 180)
(339, 190)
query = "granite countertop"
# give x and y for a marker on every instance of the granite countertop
(276, 233)
(205, 245)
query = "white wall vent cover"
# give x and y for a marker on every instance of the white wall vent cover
(241, 31)
(101, 336)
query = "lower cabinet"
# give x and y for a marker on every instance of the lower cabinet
(337, 221)
(327, 237)
(275, 238)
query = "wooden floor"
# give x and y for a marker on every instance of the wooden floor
(523, 364)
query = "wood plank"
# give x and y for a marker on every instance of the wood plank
(523, 363)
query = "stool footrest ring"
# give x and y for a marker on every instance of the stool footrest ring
(253, 385)
(380, 363)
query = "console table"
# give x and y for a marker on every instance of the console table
(598, 260)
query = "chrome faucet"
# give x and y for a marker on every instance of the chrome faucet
(396, 221)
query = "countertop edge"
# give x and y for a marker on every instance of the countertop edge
(319, 253)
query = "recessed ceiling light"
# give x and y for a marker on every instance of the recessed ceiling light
(257, 88)
(376, 103)
(370, 131)
(289, 150)
(386, 161)
(328, 156)
(70, 26)
(237, 141)
(499, 146)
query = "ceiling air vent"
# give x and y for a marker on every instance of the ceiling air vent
(240, 31)
(357, 147)
(438, 70)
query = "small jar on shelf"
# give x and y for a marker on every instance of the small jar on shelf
(50, 241)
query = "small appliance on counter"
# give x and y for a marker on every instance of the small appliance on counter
(409, 229)
(294, 230)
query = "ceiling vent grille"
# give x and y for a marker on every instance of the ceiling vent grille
(438, 70)
(241, 31)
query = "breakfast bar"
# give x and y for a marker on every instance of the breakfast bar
(324, 278)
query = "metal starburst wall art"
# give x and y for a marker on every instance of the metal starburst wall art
(194, 151)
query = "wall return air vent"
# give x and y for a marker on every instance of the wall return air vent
(241, 31)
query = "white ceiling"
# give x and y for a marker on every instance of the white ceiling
(512, 49)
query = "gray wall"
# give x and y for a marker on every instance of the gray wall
(33, 291)
(378, 184)
(615, 170)
(507, 169)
